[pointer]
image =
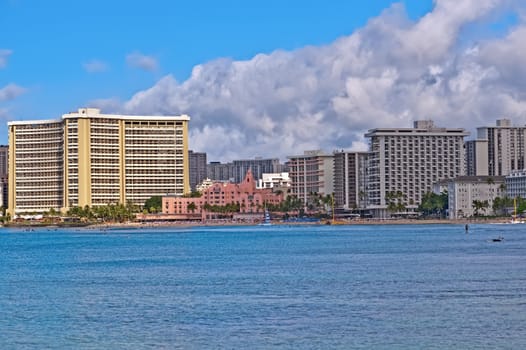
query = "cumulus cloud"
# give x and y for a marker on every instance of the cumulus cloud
(10, 92)
(138, 60)
(4, 55)
(95, 66)
(387, 74)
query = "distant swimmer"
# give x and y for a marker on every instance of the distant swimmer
(467, 228)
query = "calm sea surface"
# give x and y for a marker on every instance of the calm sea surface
(312, 287)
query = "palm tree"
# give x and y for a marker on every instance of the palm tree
(479, 205)
(394, 201)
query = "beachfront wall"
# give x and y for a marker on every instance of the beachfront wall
(250, 199)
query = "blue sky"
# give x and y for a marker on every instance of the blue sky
(61, 55)
(51, 40)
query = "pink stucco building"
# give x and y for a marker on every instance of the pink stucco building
(250, 199)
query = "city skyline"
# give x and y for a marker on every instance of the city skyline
(272, 80)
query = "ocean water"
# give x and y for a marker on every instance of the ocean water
(277, 287)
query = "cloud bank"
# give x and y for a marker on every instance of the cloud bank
(387, 74)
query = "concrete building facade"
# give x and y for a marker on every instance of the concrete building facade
(407, 162)
(498, 150)
(274, 180)
(311, 173)
(516, 184)
(464, 190)
(349, 179)
(197, 171)
(217, 171)
(477, 157)
(90, 159)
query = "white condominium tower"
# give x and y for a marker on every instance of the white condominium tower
(404, 163)
(91, 159)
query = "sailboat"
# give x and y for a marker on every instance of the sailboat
(266, 220)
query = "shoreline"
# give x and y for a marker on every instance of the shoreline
(296, 223)
(214, 223)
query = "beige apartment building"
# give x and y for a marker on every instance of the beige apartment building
(311, 173)
(91, 159)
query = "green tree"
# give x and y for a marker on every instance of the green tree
(192, 207)
(479, 205)
(502, 204)
(395, 201)
(154, 204)
(193, 194)
(433, 204)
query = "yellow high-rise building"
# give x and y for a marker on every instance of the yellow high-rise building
(92, 159)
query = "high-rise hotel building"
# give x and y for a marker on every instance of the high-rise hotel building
(92, 159)
(409, 161)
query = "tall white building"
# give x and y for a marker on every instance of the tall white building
(498, 150)
(90, 159)
(405, 163)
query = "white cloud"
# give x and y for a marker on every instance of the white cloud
(10, 92)
(387, 74)
(4, 55)
(138, 60)
(95, 66)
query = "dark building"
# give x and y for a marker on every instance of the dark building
(218, 171)
(4, 156)
(197, 164)
(259, 166)
(237, 170)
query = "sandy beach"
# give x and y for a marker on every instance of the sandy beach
(468, 221)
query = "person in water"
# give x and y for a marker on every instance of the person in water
(467, 228)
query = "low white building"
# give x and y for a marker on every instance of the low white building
(274, 180)
(464, 190)
(203, 186)
(516, 184)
